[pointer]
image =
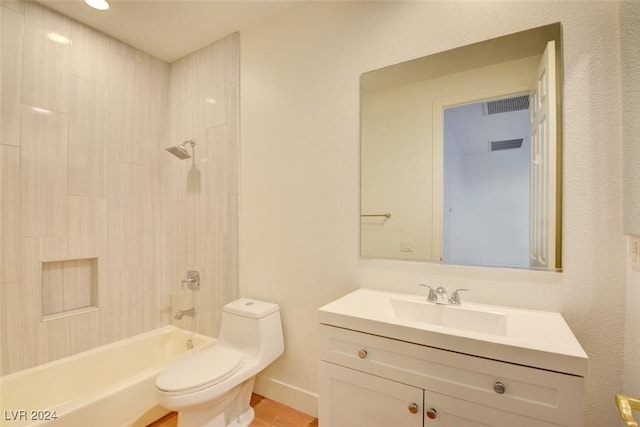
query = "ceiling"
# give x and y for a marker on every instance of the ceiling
(171, 29)
(474, 129)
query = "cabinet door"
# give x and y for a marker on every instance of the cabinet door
(349, 398)
(446, 411)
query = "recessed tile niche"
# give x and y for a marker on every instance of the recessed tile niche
(69, 287)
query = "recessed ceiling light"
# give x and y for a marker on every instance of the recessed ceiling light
(98, 4)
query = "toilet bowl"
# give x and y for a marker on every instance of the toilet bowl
(212, 388)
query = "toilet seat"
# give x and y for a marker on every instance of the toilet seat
(200, 370)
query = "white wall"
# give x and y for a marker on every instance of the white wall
(629, 34)
(300, 166)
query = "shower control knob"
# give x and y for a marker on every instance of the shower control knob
(413, 408)
(499, 388)
(362, 354)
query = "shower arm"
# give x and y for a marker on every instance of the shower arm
(192, 142)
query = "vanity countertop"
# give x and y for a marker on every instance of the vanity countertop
(532, 338)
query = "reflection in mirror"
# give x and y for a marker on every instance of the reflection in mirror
(461, 155)
(486, 183)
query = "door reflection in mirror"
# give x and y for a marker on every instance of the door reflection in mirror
(486, 183)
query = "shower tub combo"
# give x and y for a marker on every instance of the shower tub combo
(112, 385)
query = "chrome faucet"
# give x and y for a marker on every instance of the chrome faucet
(439, 296)
(431, 297)
(181, 313)
(455, 296)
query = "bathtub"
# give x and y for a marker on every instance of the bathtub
(110, 386)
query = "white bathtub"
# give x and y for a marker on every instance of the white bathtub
(110, 386)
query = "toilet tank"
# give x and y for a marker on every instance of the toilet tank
(253, 327)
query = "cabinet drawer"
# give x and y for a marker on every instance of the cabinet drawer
(527, 391)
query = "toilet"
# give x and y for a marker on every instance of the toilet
(212, 388)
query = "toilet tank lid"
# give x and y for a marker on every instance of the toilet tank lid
(251, 308)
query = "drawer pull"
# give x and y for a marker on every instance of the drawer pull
(432, 414)
(413, 408)
(499, 388)
(362, 354)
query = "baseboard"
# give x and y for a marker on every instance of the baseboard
(287, 394)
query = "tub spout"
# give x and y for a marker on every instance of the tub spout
(180, 314)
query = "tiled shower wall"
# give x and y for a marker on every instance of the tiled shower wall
(84, 176)
(203, 195)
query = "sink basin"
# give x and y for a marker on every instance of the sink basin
(449, 316)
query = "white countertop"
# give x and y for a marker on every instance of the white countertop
(533, 338)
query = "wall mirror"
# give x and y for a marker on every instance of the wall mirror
(461, 155)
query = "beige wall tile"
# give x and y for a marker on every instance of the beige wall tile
(233, 135)
(157, 184)
(217, 179)
(45, 78)
(11, 39)
(89, 53)
(124, 118)
(178, 243)
(15, 5)
(43, 172)
(87, 138)
(156, 117)
(53, 340)
(34, 251)
(52, 279)
(80, 282)
(9, 213)
(84, 331)
(211, 82)
(88, 227)
(155, 279)
(12, 348)
(125, 215)
(210, 204)
(124, 301)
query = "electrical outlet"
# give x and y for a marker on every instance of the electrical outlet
(634, 252)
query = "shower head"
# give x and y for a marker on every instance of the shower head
(180, 151)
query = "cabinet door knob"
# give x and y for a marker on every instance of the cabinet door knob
(499, 388)
(362, 354)
(413, 408)
(432, 413)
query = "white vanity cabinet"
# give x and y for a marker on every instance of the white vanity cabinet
(392, 360)
(368, 380)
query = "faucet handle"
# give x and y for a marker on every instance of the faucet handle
(455, 296)
(192, 280)
(432, 294)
